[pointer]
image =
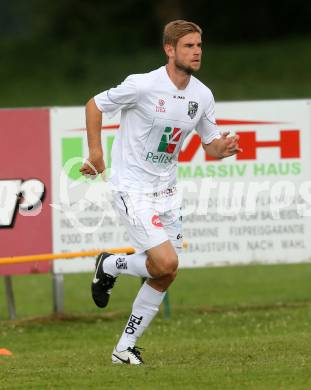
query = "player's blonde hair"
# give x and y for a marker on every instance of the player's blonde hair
(177, 29)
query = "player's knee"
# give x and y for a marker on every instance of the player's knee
(173, 275)
(168, 265)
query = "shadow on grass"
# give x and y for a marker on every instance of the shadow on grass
(122, 314)
(202, 309)
(63, 317)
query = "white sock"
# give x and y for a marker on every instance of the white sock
(134, 265)
(145, 307)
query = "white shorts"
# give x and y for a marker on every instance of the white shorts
(151, 218)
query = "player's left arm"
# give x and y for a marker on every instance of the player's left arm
(222, 147)
(215, 144)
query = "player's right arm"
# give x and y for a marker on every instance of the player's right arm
(93, 127)
(109, 102)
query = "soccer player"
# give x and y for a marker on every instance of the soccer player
(158, 110)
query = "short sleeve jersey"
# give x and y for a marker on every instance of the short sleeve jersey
(156, 117)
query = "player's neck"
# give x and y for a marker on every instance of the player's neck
(179, 78)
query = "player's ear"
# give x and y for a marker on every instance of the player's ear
(169, 50)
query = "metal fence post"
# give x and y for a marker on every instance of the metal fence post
(58, 293)
(10, 296)
(167, 307)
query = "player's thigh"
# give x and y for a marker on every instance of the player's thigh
(172, 223)
(143, 224)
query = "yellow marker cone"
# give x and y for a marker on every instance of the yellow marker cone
(5, 352)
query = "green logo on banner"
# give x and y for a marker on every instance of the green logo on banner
(72, 147)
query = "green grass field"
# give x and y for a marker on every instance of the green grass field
(231, 328)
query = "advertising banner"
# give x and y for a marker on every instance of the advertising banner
(256, 206)
(25, 188)
(253, 207)
(83, 218)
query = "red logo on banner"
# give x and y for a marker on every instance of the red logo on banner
(288, 145)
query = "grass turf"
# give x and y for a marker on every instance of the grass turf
(231, 328)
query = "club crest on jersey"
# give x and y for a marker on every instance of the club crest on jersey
(192, 109)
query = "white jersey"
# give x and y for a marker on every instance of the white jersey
(156, 117)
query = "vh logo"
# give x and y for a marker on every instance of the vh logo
(288, 145)
(25, 194)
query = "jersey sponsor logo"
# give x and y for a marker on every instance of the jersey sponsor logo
(161, 158)
(165, 193)
(160, 107)
(192, 109)
(178, 97)
(169, 139)
(156, 221)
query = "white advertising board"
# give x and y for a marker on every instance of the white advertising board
(254, 207)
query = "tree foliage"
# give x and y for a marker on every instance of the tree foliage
(132, 24)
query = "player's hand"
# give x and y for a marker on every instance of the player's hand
(93, 166)
(228, 146)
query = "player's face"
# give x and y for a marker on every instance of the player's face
(188, 52)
